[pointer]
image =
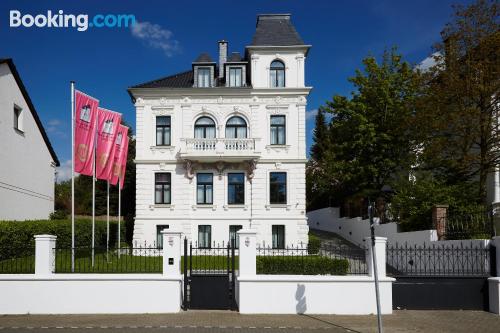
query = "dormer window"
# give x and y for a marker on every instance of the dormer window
(277, 74)
(235, 76)
(204, 77)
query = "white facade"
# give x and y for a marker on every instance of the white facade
(255, 155)
(27, 168)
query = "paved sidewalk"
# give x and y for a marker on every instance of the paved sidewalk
(222, 321)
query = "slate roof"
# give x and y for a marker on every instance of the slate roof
(179, 80)
(27, 98)
(204, 58)
(275, 30)
(235, 57)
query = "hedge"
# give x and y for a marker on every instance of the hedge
(314, 244)
(301, 265)
(17, 237)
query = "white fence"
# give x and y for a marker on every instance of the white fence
(47, 293)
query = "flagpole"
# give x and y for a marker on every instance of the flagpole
(119, 211)
(72, 176)
(107, 223)
(93, 187)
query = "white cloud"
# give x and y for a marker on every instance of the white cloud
(64, 171)
(311, 114)
(54, 127)
(156, 37)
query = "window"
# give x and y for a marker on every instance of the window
(203, 77)
(236, 127)
(163, 131)
(204, 188)
(233, 236)
(162, 188)
(277, 73)
(278, 236)
(204, 236)
(236, 188)
(235, 76)
(159, 235)
(204, 128)
(278, 128)
(277, 188)
(18, 125)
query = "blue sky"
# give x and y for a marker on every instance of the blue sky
(104, 62)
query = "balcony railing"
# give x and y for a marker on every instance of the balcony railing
(220, 147)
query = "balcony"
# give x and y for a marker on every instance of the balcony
(221, 149)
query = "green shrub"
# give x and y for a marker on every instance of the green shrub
(16, 237)
(58, 215)
(314, 244)
(297, 265)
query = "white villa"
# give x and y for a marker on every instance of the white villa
(28, 161)
(222, 145)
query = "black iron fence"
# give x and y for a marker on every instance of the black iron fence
(471, 225)
(17, 259)
(329, 259)
(462, 259)
(137, 259)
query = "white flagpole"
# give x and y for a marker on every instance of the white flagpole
(107, 223)
(72, 176)
(93, 186)
(119, 212)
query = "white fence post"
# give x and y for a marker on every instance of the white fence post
(247, 252)
(380, 251)
(171, 252)
(45, 262)
(495, 241)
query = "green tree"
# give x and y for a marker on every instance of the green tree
(459, 115)
(321, 136)
(372, 134)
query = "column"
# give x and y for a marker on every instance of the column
(171, 252)
(248, 252)
(45, 254)
(380, 249)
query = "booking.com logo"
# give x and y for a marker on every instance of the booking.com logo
(61, 20)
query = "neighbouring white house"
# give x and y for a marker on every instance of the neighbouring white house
(222, 146)
(27, 159)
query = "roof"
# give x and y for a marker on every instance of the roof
(275, 30)
(204, 58)
(27, 98)
(235, 57)
(179, 80)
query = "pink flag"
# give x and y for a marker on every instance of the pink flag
(115, 152)
(85, 122)
(120, 157)
(107, 129)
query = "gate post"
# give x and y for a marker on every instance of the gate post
(44, 254)
(380, 251)
(248, 252)
(439, 220)
(495, 241)
(171, 252)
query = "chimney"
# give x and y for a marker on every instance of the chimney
(222, 57)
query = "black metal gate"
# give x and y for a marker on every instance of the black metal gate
(441, 276)
(209, 277)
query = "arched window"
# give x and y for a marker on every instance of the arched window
(204, 128)
(236, 128)
(277, 72)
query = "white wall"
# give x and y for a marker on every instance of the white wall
(290, 294)
(89, 293)
(26, 171)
